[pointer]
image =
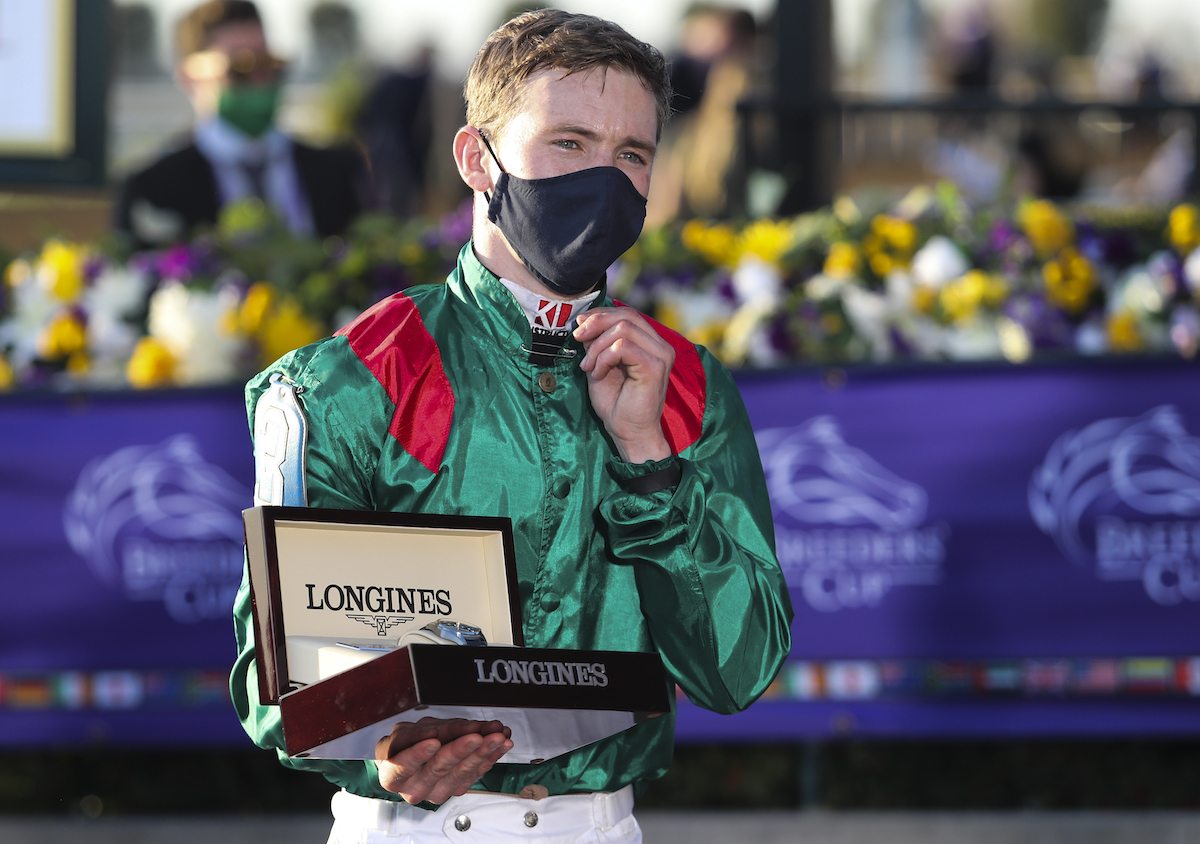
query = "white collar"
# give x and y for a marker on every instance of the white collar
(557, 316)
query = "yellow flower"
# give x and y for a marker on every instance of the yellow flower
(63, 337)
(60, 267)
(962, 299)
(709, 334)
(8, 378)
(995, 290)
(1070, 279)
(1183, 227)
(78, 362)
(249, 317)
(882, 263)
(766, 239)
(843, 260)
(150, 365)
(899, 233)
(889, 245)
(670, 316)
(284, 328)
(1047, 228)
(924, 298)
(716, 244)
(1122, 331)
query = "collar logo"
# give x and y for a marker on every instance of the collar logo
(1121, 497)
(553, 315)
(847, 530)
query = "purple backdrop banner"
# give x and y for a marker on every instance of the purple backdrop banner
(971, 551)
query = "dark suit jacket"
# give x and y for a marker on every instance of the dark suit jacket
(183, 182)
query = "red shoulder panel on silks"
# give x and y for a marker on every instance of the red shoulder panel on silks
(392, 342)
(683, 413)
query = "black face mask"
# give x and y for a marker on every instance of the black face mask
(568, 229)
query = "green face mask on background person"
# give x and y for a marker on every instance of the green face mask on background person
(249, 108)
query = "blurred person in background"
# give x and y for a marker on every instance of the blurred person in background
(701, 160)
(236, 152)
(396, 126)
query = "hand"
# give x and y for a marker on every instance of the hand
(628, 365)
(437, 758)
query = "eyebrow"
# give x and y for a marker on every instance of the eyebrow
(628, 141)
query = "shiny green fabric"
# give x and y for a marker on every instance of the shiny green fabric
(690, 572)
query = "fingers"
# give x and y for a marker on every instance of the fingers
(622, 337)
(419, 767)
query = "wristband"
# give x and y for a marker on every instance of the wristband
(655, 481)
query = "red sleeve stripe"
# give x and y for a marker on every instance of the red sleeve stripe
(683, 413)
(393, 343)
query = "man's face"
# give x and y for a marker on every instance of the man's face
(602, 118)
(237, 55)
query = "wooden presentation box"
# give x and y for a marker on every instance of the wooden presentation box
(333, 591)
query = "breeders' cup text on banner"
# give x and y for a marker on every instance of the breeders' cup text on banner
(160, 523)
(847, 530)
(1121, 498)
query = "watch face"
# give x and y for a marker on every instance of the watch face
(464, 634)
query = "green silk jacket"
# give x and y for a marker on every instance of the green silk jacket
(428, 403)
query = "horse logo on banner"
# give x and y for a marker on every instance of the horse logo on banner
(846, 529)
(1122, 497)
(161, 524)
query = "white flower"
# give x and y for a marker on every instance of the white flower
(976, 340)
(189, 322)
(870, 315)
(823, 286)
(120, 291)
(115, 298)
(939, 262)
(898, 287)
(1191, 271)
(744, 328)
(694, 309)
(1091, 338)
(755, 280)
(33, 306)
(1140, 292)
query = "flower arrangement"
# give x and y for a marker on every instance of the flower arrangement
(210, 311)
(925, 277)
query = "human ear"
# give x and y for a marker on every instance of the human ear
(471, 157)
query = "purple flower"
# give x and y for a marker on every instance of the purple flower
(93, 266)
(1046, 325)
(175, 263)
(724, 288)
(779, 337)
(1002, 236)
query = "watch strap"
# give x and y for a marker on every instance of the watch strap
(664, 478)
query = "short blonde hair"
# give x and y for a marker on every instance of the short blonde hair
(550, 38)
